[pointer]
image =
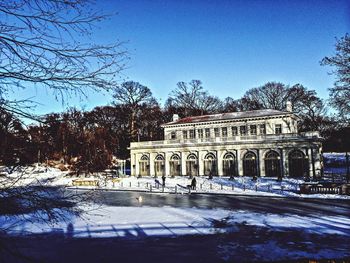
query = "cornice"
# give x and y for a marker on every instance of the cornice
(191, 124)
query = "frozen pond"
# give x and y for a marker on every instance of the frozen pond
(297, 206)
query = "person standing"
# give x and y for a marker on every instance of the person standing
(163, 179)
(194, 183)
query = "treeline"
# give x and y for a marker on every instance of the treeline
(88, 139)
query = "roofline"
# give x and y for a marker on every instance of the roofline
(226, 119)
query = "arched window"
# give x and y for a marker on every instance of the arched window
(144, 165)
(210, 164)
(159, 165)
(159, 157)
(298, 164)
(192, 156)
(175, 157)
(192, 165)
(175, 165)
(144, 158)
(229, 165)
(273, 164)
(250, 165)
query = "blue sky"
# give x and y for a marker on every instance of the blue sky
(230, 45)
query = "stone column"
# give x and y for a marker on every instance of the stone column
(317, 158)
(152, 157)
(261, 163)
(167, 163)
(239, 162)
(285, 163)
(219, 162)
(183, 163)
(313, 160)
(309, 156)
(280, 151)
(132, 162)
(137, 166)
(200, 162)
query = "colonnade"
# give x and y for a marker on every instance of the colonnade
(280, 162)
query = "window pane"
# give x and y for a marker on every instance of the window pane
(262, 129)
(207, 133)
(191, 134)
(184, 134)
(200, 133)
(173, 135)
(224, 132)
(234, 131)
(253, 129)
(278, 129)
(216, 131)
(243, 130)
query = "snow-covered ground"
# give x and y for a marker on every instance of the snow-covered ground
(139, 222)
(264, 186)
(237, 235)
(32, 175)
(218, 185)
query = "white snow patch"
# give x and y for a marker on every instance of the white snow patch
(111, 221)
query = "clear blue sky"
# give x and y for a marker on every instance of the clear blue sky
(230, 45)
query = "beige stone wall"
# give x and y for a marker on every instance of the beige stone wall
(260, 148)
(260, 144)
(288, 122)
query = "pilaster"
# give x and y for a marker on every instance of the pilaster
(261, 163)
(167, 163)
(240, 162)
(152, 157)
(219, 162)
(200, 161)
(183, 163)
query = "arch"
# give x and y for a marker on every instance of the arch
(144, 158)
(175, 165)
(271, 154)
(229, 156)
(159, 165)
(144, 165)
(175, 157)
(250, 164)
(229, 164)
(210, 164)
(192, 156)
(298, 164)
(209, 156)
(159, 157)
(192, 165)
(273, 164)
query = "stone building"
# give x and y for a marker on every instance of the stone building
(250, 143)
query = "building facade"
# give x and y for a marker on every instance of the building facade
(251, 143)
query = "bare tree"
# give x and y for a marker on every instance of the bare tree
(133, 95)
(45, 44)
(193, 99)
(48, 44)
(274, 95)
(340, 93)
